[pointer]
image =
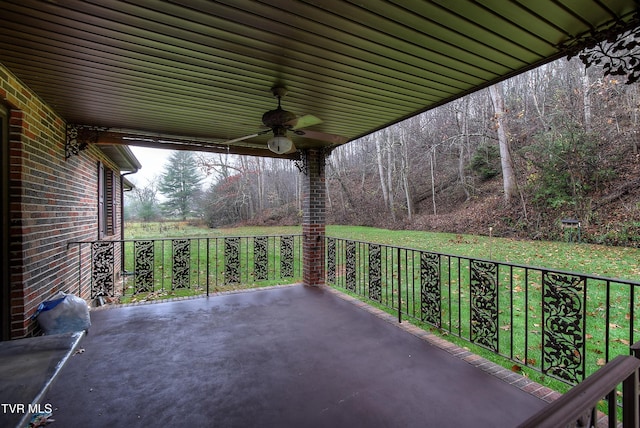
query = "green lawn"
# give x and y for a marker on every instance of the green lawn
(177, 229)
(611, 262)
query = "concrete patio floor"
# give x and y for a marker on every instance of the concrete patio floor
(290, 356)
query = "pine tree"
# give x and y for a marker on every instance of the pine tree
(180, 184)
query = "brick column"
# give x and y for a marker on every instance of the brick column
(313, 218)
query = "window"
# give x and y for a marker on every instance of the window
(107, 198)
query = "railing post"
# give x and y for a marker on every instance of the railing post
(630, 405)
(635, 401)
(79, 269)
(399, 290)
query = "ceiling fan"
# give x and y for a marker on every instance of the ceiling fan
(280, 121)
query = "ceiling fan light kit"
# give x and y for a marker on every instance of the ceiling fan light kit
(280, 144)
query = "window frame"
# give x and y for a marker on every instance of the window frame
(107, 201)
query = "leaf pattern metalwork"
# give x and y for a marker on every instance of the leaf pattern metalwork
(375, 272)
(484, 304)
(231, 260)
(103, 260)
(430, 288)
(563, 338)
(181, 262)
(143, 266)
(351, 265)
(260, 258)
(286, 256)
(331, 260)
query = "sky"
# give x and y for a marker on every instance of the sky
(153, 163)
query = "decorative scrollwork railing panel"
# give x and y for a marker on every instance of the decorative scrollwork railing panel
(563, 338)
(430, 288)
(351, 265)
(181, 272)
(484, 304)
(375, 272)
(261, 257)
(102, 269)
(331, 261)
(232, 260)
(286, 256)
(143, 266)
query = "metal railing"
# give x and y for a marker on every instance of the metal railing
(129, 267)
(616, 384)
(563, 324)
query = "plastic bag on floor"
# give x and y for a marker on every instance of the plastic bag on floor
(64, 313)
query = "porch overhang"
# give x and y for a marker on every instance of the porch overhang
(197, 75)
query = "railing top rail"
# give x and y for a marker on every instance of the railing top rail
(181, 237)
(580, 399)
(516, 265)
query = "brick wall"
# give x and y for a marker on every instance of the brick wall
(52, 201)
(313, 220)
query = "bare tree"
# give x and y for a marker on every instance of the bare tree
(586, 100)
(404, 168)
(461, 114)
(385, 169)
(508, 174)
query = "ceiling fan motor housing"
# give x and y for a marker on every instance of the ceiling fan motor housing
(277, 117)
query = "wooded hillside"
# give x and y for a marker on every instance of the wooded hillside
(571, 133)
(558, 142)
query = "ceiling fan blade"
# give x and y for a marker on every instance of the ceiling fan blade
(303, 121)
(323, 136)
(246, 137)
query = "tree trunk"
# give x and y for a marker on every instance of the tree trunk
(433, 179)
(462, 119)
(261, 183)
(390, 179)
(461, 173)
(385, 179)
(345, 192)
(383, 184)
(538, 83)
(404, 172)
(586, 100)
(508, 175)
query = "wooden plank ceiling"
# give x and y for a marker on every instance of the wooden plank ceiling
(198, 73)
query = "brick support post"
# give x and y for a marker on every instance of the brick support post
(313, 220)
